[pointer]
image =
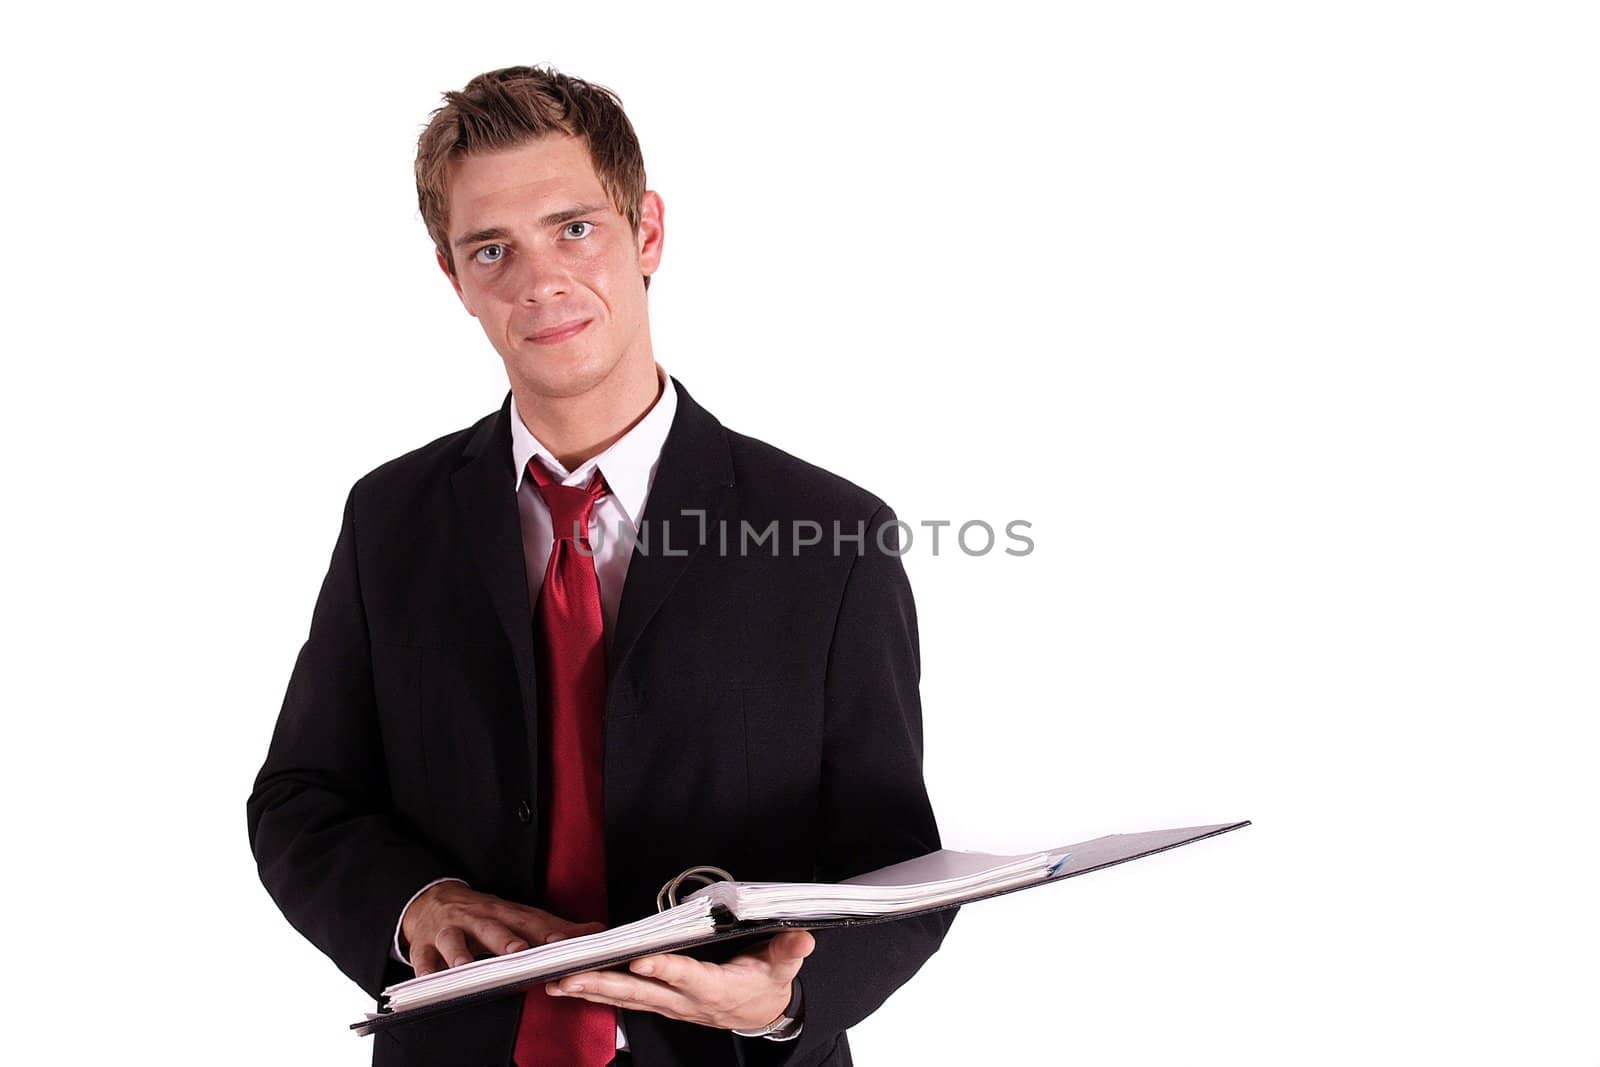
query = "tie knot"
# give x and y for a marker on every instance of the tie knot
(570, 505)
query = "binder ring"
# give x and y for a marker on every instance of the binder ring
(668, 896)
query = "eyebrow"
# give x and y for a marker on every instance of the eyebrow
(555, 218)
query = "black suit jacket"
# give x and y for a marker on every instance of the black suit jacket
(762, 715)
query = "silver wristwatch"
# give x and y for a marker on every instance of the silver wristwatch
(785, 1027)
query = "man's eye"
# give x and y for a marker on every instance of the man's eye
(582, 229)
(490, 254)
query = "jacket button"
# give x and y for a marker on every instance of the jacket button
(525, 812)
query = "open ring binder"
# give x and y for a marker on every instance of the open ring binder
(724, 909)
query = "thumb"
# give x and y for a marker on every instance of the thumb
(791, 946)
(566, 930)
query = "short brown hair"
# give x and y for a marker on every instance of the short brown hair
(509, 107)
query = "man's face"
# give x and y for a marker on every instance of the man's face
(547, 265)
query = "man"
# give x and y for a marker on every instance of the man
(509, 724)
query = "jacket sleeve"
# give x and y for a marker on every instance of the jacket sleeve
(874, 806)
(330, 851)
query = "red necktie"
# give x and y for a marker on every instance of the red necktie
(570, 636)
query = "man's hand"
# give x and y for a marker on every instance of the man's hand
(746, 993)
(450, 925)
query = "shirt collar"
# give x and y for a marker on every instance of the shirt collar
(627, 465)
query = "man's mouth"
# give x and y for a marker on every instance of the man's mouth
(557, 334)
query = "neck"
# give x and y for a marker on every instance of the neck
(578, 427)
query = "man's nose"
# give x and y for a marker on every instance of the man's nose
(538, 277)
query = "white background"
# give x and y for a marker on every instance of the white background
(1277, 321)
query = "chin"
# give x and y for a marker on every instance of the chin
(559, 374)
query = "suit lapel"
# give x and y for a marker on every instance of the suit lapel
(694, 476)
(484, 488)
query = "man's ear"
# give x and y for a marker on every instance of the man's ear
(651, 232)
(455, 284)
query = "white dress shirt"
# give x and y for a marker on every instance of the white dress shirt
(629, 468)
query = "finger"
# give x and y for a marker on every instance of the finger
(452, 945)
(787, 953)
(683, 973)
(496, 937)
(710, 990)
(526, 924)
(566, 930)
(786, 949)
(791, 945)
(579, 929)
(540, 927)
(622, 990)
(425, 959)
